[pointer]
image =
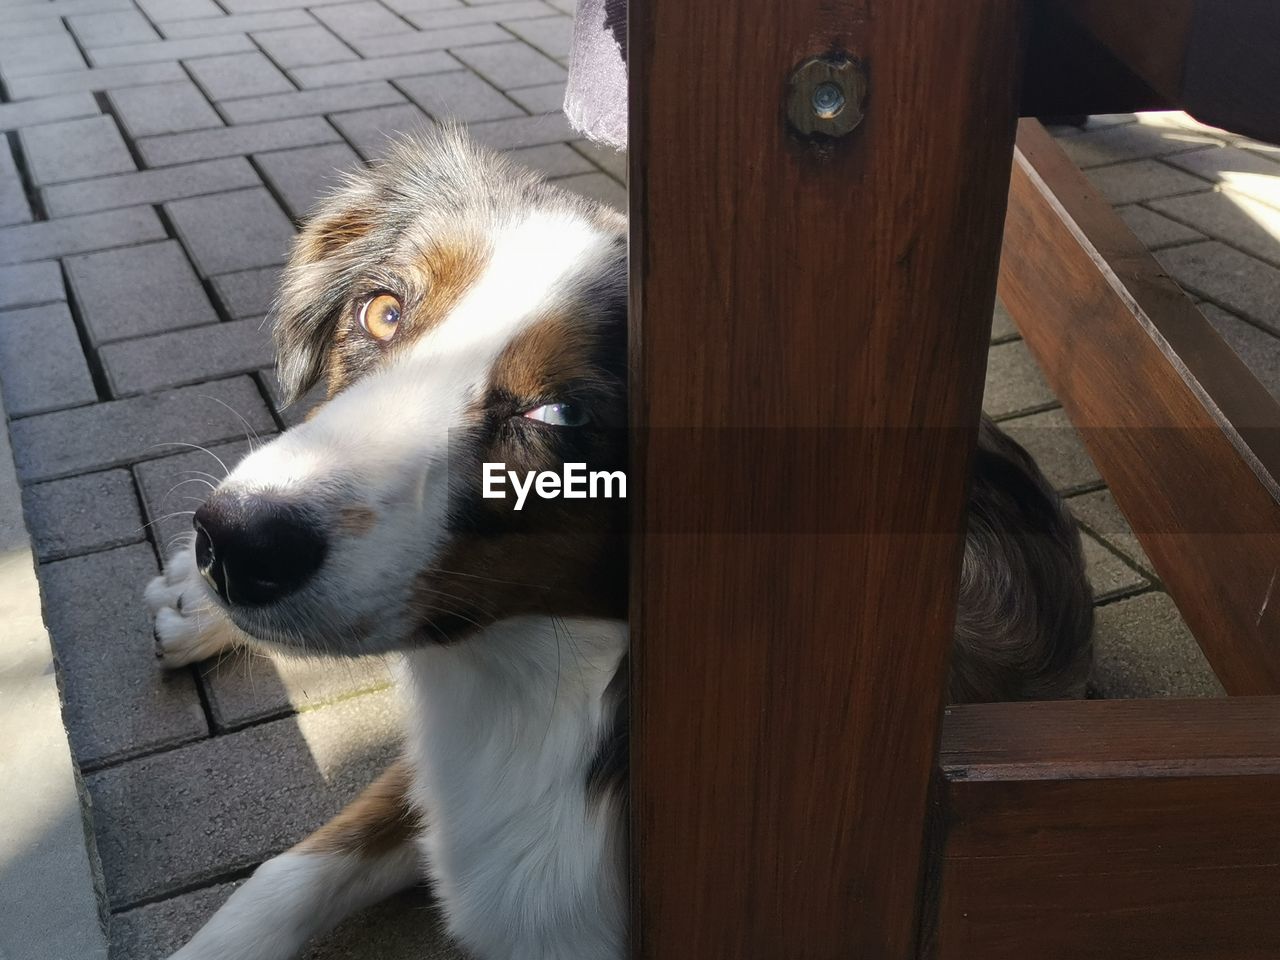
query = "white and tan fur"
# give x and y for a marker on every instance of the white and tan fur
(510, 629)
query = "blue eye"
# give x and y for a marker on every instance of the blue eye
(558, 414)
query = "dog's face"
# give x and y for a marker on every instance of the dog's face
(462, 312)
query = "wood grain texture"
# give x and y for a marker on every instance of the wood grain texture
(1111, 831)
(821, 312)
(1183, 433)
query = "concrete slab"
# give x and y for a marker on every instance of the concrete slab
(191, 816)
(94, 511)
(61, 444)
(136, 291)
(49, 878)
(119, 703)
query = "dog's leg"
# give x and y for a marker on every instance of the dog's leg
(189, 627)
(363, 855)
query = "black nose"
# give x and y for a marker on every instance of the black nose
(255, 550)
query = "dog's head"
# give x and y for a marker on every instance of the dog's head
(462, 312)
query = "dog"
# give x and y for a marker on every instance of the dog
(464, 311)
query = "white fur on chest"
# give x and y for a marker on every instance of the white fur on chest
(503, 730)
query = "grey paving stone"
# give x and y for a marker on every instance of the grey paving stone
(416, 6)
(1100, 514)
(552, 160)
(547, 98)
(248, 687)
(29, 283)
(1014, 382)
(173, 487)
(232, 141)
(260, 6)
(369, 131)
(164, 108)
(55, 445)
(162, 10)
(158, 50)
(238, 75)
(1143, 180)
(552, 35)
(232, 231)
(1259, 350)
(117, 702)
(44, 367)
(449, 37)
(13, 197)
(1154, 229)
(239, 23)
(186, 356)
(383, 68)
(1002, 325)
(137, 291)
(29, 56)
(612, 162)
(1056, 446)
(62, 8)
(1235, 280)
(1129, 142)
(1109, 576)
(248, 293)
(405, 927)
(597, 186)
(101, 78)
(1244, 171)
(95, 511)
(431, 17)
(191, 816)
(117, 26)
(363, 19)
(522, 131)
(1143, 649)
(74, 150)
(301, 177)
(35, 27)
(1239, 220)
(93, 231)
(303, 103)
(65, 106)
(149, 186)
(303, 46)
(510, 65)
(459, 95)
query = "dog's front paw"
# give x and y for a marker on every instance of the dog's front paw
(189, 626)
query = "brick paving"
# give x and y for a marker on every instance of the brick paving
(159, 155)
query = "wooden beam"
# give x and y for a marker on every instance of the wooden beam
(810, 323)
(1183, 433)
(1110, 830)
(1214, 58)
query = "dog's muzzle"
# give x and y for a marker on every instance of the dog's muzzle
(254, 550)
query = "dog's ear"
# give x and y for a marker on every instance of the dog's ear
(325, 263)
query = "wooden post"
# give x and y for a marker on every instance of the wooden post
(810, 323)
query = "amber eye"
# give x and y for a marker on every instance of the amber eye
(379, 315)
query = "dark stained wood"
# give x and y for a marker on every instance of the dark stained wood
(1150, 36)
(1186, 437)
(1069, 72)
(1110, 831)
(1214, 58)
(810, 324)
(1232, 74)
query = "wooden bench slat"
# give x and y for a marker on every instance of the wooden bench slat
(1183, 433)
